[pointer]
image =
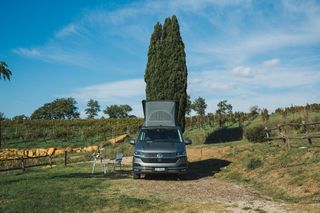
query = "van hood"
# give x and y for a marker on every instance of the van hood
(160, 147)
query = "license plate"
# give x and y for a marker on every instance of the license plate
(159, 169)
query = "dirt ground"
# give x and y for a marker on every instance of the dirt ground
(208, 190)
(207, 193)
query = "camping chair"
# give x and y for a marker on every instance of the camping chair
(98, 156)
(117, 161)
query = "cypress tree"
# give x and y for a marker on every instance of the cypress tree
(152, 64)
(166, 71)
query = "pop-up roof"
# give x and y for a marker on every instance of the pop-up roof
(159, 113)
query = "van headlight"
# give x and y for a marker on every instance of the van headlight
(138, 154)
(181, 154)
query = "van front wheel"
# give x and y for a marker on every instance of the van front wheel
(135, 175)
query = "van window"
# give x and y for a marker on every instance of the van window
(160, 135)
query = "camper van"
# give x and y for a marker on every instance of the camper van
(160, 147)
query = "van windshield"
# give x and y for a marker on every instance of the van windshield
(160, 135)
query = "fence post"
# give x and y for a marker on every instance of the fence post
(283, 136)
(50, 160)
(306, 129)
(267, 134)
(23, 164)
(65, 157)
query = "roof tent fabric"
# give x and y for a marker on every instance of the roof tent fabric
(159, 113)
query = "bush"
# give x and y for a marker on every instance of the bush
(255, 134)
(253, 163)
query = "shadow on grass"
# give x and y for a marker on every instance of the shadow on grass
(197, 170)
(118, 174)
(225, 135)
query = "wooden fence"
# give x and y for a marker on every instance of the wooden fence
(285, 138)
(23, 162)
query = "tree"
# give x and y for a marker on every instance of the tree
(20, 117)
(223, 109)
(166, 71)
(264, 115)
(5, 73)
(254, 111)
(188, 105)
(93, 108)
(240, 117)
(199, 106)
(118, 111)
(61, 108)
(2, 116)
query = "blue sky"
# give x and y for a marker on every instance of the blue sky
(263, 53)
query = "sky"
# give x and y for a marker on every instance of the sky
(248, 52)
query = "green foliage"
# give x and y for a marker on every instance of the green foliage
(254, 111)
(20, 117)
(253, 163)
(61, 108)
(118, 111)
(61, 133)
(240, 117)
(255, 134)
(2, 116)
(223, 110)
(5, 73)
(199, 105)
(93, 108)
(166, 71)
(188, 105)
(264, 115)
(224, 107)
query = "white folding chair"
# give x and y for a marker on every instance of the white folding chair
(103, 165)
(117, 161)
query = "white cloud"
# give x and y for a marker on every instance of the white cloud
(198, 5)
(67, 30)
(208, 82)
(271, 62)
(269, 101)
(132, 22)
(239, 50)
(27, 52)
(112, 91)
(271, 88)
(243, 71)
(130, 92)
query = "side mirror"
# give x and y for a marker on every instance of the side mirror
(188, 142)
(132, 142)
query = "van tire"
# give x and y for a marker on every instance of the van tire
(135, 175)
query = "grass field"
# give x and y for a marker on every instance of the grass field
(291, 177)
(74, 189)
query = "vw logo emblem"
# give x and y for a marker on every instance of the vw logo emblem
(159, 155)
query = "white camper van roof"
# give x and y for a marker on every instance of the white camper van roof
(159, 113)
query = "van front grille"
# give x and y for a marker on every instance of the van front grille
(159, 160)
(164, 155)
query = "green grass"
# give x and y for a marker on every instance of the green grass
(199, 135)
(70, 189)
(276, 118)
(52, 143)
(289, 175)
(253, 163)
